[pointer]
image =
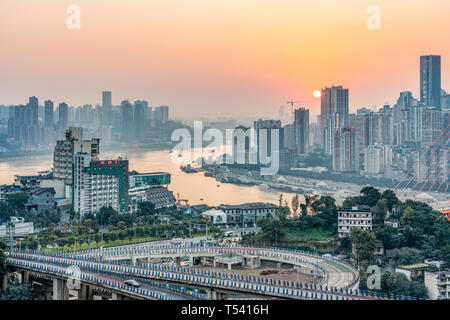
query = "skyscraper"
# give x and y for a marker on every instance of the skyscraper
(106, 107)
(33, 105)
(333, 100)
(140, 108)
(345, 158)
(430, 81)
(264, 138)
(162, 114)
(127, 120)
(48, 114)
(63, 115)
(301, 129)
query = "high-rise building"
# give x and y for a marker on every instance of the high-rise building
(333, 100)
(377, 159)
(140, 112)
(33, 104)
(335, 122)
(289, 137)
(345, 157)
(48, 114)
(264, 130)
(65, 150)
(161, 114)
(98, 184)
(301, 129)
(106, 107)
(127, 120)
(445, 100)
(63, 116)
(379, 129)
(241, 145)
(430, 81)
(431, 125)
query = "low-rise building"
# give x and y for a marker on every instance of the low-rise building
(248, 212)
(160, 196)
(41, 199)
(215, 216)
(412, 271)
(20, 228)
(354, 218)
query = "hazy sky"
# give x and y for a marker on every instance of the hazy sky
(218, 57)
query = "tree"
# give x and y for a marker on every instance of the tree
(370, 196)
(364, 242)
(391, 199)
(398, 283)
(146, 208)
(17, 201)
(280, 200)
(407, 256)
(18, 291)
(350, 202)
(445, 253)
(380, 211)
(294, 204)
(407, 216)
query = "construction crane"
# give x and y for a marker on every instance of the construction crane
(292, 106)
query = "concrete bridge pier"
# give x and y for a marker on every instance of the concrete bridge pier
(26, 276)
(215, 295)
(66, 293)
(82, 293)
(117, 296)
(57, 289)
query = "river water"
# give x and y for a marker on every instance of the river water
(191, 186)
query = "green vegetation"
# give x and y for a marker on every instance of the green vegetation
(364, 242)
(2, 258)
(398, 284)
(109, 228)
(18, 291)
(318, 220)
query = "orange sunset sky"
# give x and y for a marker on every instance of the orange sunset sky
(218, 58)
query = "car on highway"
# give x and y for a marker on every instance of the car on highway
(132, 283)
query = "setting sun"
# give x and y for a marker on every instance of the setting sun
(317, 94)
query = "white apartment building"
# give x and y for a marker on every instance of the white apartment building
(66, 149)
(438, 284)
(353, 218)
(91, 192)
(377, 158)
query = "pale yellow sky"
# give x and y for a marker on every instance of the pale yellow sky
(218, 57)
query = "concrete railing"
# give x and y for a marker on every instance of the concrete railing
(259, 285)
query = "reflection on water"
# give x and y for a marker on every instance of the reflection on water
(192, 186)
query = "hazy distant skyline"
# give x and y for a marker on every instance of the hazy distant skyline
(218, 58)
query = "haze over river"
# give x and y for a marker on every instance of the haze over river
(190, 186)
